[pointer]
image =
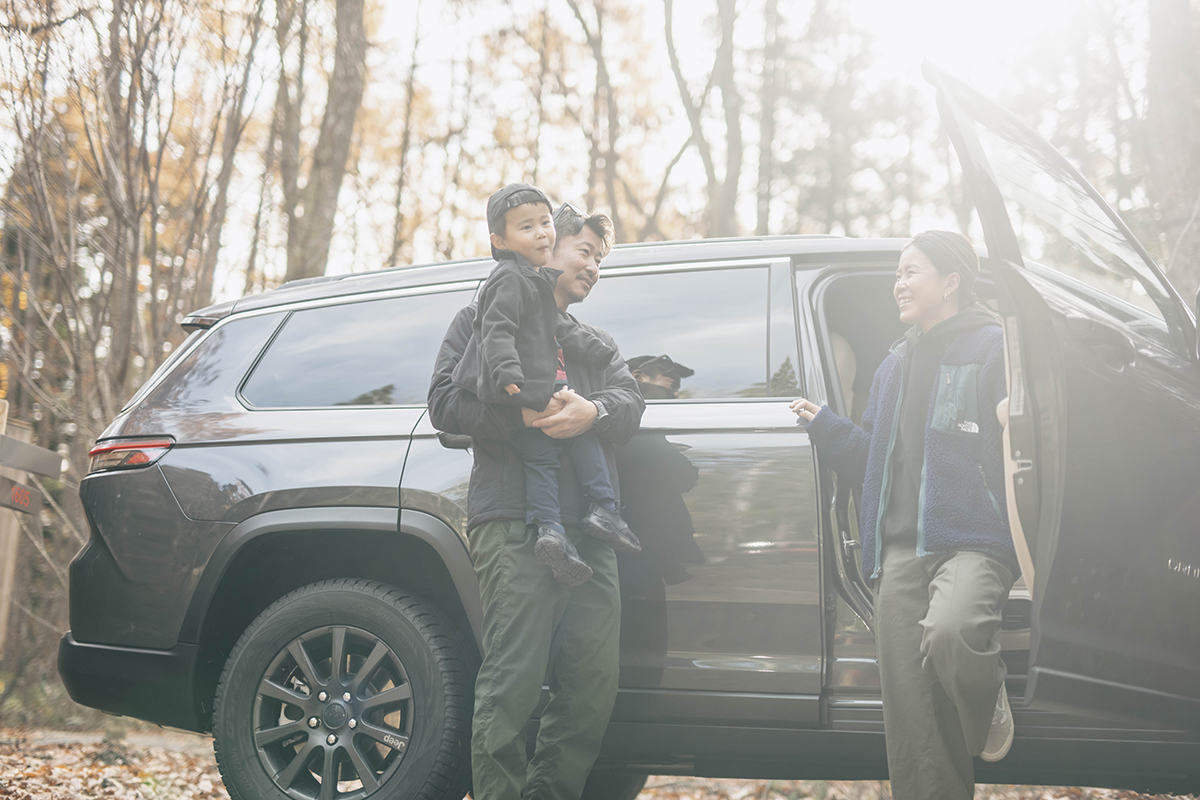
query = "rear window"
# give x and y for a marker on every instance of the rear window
(368, 353)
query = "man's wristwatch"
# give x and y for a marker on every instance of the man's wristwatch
(603, 420)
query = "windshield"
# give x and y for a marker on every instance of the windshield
(1060, 225)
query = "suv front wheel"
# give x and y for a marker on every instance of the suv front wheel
(341, 690)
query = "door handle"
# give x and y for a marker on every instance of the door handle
(1113, 346)
(454, 441)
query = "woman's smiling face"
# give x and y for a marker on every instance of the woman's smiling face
(924, 296)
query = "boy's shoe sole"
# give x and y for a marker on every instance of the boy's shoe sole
(556, 551)
(608, 527)
(1000, 737)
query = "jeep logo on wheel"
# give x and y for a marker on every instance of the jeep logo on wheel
(393, 741)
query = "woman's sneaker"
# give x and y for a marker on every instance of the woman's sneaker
(1000, 737)
(608, 527)
(555, 550)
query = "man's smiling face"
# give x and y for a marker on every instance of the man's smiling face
(579, 259)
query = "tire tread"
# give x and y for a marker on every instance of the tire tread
(449, 777)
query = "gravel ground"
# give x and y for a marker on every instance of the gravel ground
(166, 765)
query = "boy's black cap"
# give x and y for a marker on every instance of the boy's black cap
(511, 196)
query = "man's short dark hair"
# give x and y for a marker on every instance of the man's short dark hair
(570, 220)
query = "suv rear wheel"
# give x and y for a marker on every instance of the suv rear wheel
(341, 690)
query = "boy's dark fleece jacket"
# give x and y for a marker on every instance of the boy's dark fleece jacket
(513, 338)
(497, 488)
(930, 442)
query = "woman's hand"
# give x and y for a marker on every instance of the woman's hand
(804, 409)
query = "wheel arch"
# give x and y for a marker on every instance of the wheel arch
(271, 554)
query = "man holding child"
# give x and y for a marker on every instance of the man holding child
(544, 616)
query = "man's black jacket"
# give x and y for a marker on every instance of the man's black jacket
(497, 489)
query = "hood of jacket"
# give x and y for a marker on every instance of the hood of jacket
(969, 319)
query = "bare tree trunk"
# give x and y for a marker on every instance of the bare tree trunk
(540, 95)
(311, 251)
(692, 107)
(769, 97)
(1173, 129)
(252, 278)
(399, 235)
(608, 155)
(231, 138)
(725, 218)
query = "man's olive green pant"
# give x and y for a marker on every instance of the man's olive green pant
(937, 623)
(536, 629)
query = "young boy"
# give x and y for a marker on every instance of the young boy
(515, 357)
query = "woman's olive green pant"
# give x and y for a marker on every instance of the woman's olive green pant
(534, 630)
(937, 621)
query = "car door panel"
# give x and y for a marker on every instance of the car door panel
(1104, 427)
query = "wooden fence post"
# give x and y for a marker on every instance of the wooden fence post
(10, 530)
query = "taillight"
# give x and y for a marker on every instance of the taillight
(127, 453)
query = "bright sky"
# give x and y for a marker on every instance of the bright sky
(969, 38)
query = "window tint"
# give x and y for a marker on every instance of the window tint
(711, 321)
(376, 352)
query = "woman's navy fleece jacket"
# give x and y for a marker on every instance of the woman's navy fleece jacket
(961, 501)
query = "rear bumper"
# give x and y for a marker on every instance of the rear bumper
(155, 685)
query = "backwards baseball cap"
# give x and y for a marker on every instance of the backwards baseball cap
(511, 196)
(659, 365)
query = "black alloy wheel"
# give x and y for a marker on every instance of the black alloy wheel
(341, 689)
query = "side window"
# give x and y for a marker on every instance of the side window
(367, 353)
(713, 322)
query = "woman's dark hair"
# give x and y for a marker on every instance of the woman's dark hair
(950, 251)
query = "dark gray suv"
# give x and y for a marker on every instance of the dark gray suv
(252, 569)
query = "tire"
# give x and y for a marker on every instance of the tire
(613, 786)
(394, 723)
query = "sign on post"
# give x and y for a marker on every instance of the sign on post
(29, 457)
(19, 497)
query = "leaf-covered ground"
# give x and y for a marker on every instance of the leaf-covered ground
(47, 765)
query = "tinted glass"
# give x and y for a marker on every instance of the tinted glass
(1062, 227)
(711, 321)
(211, 371)
(376, 352)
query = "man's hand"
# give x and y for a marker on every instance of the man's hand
(512, 389)
(575, 416)
(528, 415)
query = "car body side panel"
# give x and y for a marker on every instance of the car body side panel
(444, 541)
(131, 583)
(310, 458)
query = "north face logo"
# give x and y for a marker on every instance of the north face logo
(968, 427)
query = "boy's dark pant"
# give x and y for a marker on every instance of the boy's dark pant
(542, 457)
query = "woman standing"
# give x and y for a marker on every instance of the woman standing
(934, 525)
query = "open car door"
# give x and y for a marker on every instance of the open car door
(1103, 440)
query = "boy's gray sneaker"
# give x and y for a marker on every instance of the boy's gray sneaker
(555, 550)
(608, 527)
(1000, 737)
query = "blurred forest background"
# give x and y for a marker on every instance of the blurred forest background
(157, 156)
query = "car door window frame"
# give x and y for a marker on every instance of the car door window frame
(290, 309)
(770, 265)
